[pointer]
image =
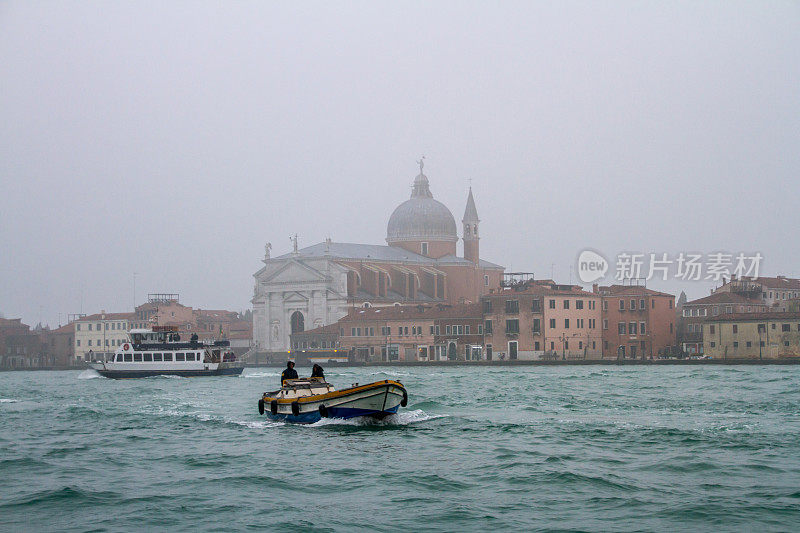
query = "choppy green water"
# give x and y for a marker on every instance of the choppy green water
(568, 448)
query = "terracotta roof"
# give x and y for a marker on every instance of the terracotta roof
(410, 312)
(108, 316)
(770, 315)
(778, 282)
(330, 328)
(725, 298)
(616, 290)
(68, 328)
(543, 287)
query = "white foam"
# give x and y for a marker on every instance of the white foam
(89, 374)
(8, 400)
(400, 419)
(261, 375)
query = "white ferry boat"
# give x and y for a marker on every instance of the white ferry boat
(160, 351)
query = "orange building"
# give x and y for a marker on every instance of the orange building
(638, 322)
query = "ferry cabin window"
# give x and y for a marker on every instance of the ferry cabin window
(167, 357)
(137, 357)
(157, 357)
(180, 357)
(128, 357)
(148, 358)
(119, 358)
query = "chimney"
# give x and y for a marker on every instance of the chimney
(595, 288)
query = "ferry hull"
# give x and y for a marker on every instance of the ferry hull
(375, 400)
(132, 374)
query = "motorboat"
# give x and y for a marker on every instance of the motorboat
(308, 400)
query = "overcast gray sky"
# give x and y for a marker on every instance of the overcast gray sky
(174, 139)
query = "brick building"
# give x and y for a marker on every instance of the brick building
(540, 319)
(695, 313)
(637, 322)
(437, 332)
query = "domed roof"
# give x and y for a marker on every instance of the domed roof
(421, 218)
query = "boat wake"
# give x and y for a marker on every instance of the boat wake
(89, 374)
(261, 375)
(400, 419)
(8, 400)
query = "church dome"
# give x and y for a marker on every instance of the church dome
(421, 218)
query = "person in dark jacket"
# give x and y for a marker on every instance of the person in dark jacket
(316, 372)
(289, 373)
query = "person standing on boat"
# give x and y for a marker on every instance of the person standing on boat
(289, 373)
(316, 372)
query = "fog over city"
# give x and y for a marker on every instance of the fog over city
(174, 141)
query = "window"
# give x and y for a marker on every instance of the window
(749, 344)
(537, 326)
(480, 329)
(605, 323)
(168, 356)
(128, 357)
(447, 329)
(622, 305)
(552, 345)
(466, 329)
(633, 305)
(488, 327)
(487, 306)
(90, 327)
(137, 357)
(536, 306)
(437, 329)
(735, 328)
(90, 342)
(119, 358)
(424, 246)
(77, 327)
(432, 330)
(78, 342)
(641, 328)
(785, 327)
(566, 323)
(352, 332)
(512, 326)
(566, 304)
(405, 330)
(536, 345)
(552, 323)
(652, 304)
(605, 305)
(578, 304)
(485, 281)
(786, 343)
(642, 304)
(512, 306)
(180, 356)
(632, 328)
(459, 329)
(358, 332)
(148, 358)
(735, 344)
(621, 328)
(711, 329)
(713, 344)
(552, 304)
(580, 345)
(372, 332)
(157, 357)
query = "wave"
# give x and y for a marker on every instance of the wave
(90, 374)
(399, 419)
(8, 400)
(261, 375)
(68, 495)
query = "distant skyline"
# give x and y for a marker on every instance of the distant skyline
(174, 140)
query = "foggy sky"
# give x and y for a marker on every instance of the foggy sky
(175, 140)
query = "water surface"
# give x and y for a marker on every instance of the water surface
(507, 448)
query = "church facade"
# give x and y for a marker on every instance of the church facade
(317, 285)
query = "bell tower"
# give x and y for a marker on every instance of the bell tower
(470, 224)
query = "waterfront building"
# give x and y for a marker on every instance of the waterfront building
(637, 322)
(100, 334)
(438, 332)
(695, 313)
(531, 319)
(773, 292)
(772, 335)
(316, 286)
